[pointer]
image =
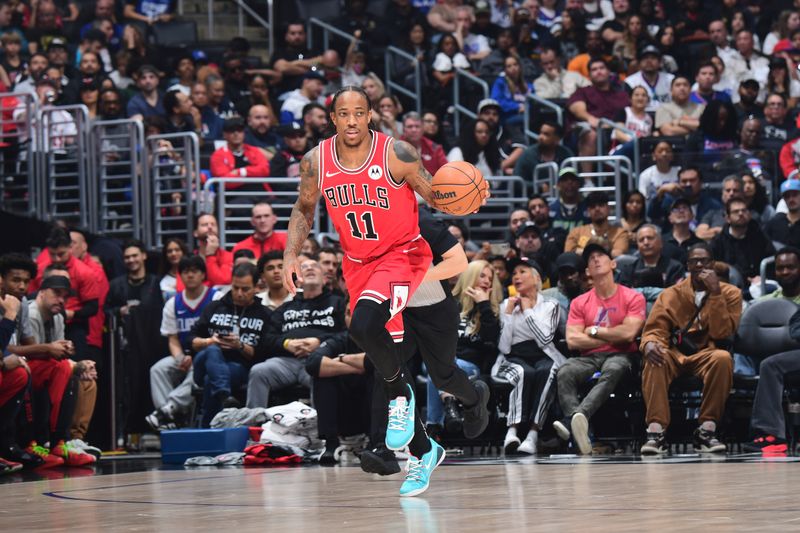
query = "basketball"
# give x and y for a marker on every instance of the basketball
(457, 188)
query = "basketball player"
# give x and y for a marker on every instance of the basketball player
(368, 181)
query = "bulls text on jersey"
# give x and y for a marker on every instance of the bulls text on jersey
(347, 194)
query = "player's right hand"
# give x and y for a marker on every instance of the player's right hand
(291, 266)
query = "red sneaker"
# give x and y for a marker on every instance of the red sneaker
(767, 444)
(8, 467)
(48, 458)
(73, 456)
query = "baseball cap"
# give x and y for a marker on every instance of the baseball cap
(487, 102)
(566, 172)
(526, 226)
(233, 124)
(651, 50)
(790, 185)
(680, 200)
(482, 6)
(57, 42)
(56, 282)
(527, 261)
(570, 260)
(292, 128)
(314, 75)
(592, 248)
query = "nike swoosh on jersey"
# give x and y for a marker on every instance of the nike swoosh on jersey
(331, 174)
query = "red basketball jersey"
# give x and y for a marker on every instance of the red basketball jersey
(371, 213)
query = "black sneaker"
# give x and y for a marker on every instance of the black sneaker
(476, 418)
(328, 457)
(435, 432)
(231, 403)
(766, 444)
(453, 419)
(379, 460)
(707, 441)
(17, 455)
(656, 444)
(159, 421)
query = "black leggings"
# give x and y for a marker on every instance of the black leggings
(368, 329)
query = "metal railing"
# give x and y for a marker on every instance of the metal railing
(174, 170)
(327, 30)
(605, 123)
(119, 179)
(392, 52)
(233, 207)
(242, 7)
(612, 174)
(550, 169)
(64, 163)
(459, 108)
(530, 100)
(19, 188)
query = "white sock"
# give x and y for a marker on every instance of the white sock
(511, 433)
(709, 425)
(655, 427)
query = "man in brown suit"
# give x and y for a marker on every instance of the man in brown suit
(709, 311)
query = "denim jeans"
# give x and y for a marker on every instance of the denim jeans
(218, 377)
(435, 406)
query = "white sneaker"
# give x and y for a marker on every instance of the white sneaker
(580, 433)
(528, 446)
(511, 443)
(86, 447)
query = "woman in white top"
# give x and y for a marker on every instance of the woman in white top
(634, 118)
(479, 147)
(528, 357)
(787, 22)
(172, 253)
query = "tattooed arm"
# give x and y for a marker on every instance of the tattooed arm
(406, 165)
(302, 218)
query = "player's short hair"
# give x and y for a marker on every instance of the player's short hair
(272, 255)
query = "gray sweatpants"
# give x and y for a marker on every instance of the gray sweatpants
(169, 382)
(579, 370)
(767, 409)
(274, 374)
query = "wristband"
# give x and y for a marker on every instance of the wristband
(286, 344)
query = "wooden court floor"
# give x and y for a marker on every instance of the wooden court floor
(561, 495)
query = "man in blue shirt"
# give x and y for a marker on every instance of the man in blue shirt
(706, 75)
(149, 100)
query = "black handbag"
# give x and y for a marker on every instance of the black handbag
(678, 338)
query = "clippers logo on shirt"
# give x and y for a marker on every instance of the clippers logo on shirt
(602, 319)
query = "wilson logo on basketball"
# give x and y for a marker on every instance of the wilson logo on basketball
(443, 195)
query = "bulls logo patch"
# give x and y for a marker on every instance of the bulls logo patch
(375, 172)
(399, 298)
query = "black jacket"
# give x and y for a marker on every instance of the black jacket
(671, 271)
(336, 344)
(478, 347)
(320, 317)
(221, 317)
(119, 293)
(745, 254)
